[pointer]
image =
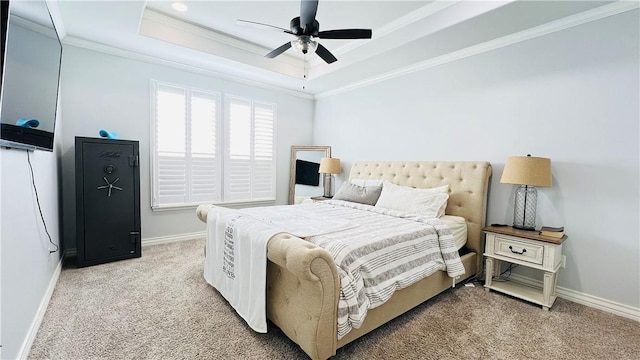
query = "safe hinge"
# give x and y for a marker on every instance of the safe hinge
(134, 236)
(134, 160)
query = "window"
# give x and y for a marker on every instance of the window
(200, 156)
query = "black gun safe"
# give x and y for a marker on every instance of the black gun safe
(107, 200)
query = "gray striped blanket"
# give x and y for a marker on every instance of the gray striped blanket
(377, 251)
(388, 251)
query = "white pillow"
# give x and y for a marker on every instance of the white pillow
(366, 182)
(427, 202)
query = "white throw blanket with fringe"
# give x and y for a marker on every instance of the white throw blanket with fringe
(236, 262)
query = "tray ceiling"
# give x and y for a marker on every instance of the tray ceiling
(405, 34)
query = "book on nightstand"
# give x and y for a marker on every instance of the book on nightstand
(554, 232)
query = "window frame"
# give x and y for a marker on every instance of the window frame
(222, 138)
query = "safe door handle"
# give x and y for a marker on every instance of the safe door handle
(517, 252)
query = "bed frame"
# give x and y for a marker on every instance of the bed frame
(302, 280)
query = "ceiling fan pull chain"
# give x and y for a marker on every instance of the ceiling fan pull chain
(304, 72)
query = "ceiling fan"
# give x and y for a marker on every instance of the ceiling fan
(305, 28)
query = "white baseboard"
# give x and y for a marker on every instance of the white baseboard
(42, 309)
(595, 302)
(155, 241)
(172, 238)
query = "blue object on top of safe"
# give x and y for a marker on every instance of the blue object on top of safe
(108, 134)
(28, 123)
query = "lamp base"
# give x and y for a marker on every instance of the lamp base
(524, 210)
(328, 186)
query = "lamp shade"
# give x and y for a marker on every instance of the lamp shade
(527, 170)
(329, 166)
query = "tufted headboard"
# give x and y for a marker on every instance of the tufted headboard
(468, 185)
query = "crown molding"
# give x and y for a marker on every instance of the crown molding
(54, 11)
(395, 25)
(541, 30)
(110, 50)
(32, 26)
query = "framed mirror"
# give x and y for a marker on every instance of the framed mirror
(304, 179)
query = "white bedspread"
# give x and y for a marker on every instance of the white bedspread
(377, 251)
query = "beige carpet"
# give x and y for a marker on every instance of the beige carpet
(160, 307)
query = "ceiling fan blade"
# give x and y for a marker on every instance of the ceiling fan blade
(308, 10)
(345, 34)
(262, 26)
(279, 50)
(325, 54)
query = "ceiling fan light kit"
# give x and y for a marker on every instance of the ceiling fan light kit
(305, 27)
(304, 44)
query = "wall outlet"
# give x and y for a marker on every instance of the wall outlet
(564, 261)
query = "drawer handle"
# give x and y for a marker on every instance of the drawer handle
(516, 252)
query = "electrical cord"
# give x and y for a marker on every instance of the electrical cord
(499, 278)
(33, 181)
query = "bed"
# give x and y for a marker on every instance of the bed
(302, 280)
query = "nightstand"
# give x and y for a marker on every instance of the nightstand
(319, 198)
(525, 248)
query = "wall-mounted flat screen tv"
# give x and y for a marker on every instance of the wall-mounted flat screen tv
(31, 58)
(307, 173)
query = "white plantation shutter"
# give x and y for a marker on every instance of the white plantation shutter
(263, 186)
(204, 174)
(238, 160)
(185, 154)
(198, 157)
(171, 146)
(249, 160)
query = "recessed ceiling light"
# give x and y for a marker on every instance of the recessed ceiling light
(178, 6)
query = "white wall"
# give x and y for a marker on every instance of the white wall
(110, 92)
(27, 267)
(572, 96)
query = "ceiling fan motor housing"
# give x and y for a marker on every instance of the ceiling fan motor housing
(311, 30)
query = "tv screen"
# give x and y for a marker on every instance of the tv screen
(307, 173)
(32, 53)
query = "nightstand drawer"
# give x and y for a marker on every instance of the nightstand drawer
(520, 250)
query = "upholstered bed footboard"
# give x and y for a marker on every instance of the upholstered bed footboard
(303, 290)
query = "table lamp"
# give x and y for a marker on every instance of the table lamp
(328, 167)
(528, 172)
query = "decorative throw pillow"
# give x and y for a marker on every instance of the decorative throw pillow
(359, 194)
(428, 202)
(366, 182)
